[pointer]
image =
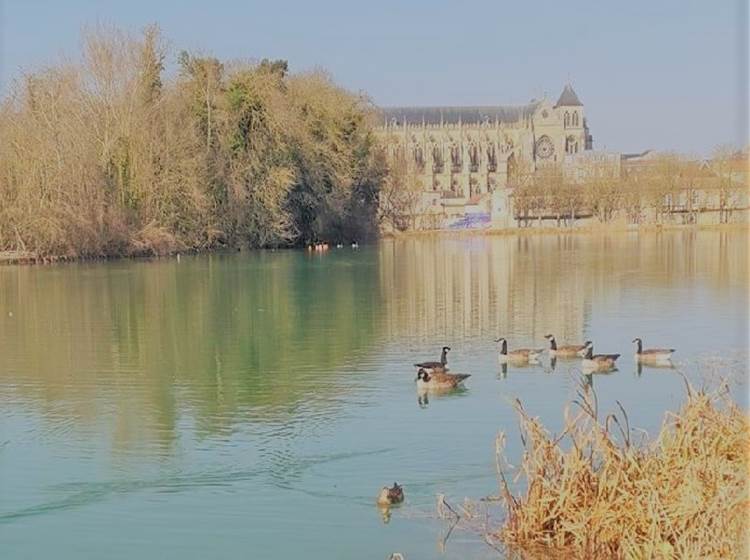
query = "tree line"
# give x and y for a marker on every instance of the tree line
(112, 155)
(664, 186)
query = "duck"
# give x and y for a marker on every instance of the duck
(568, 351)
(651, 355)
(439, 379)
(442, 365)
(391, 496)
(597, 362)
(519, 355)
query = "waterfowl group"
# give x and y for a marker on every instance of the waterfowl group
(519, 355)
(323, 246)
(433, 376)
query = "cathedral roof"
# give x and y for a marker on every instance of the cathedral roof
(452, 115)
(568, 98)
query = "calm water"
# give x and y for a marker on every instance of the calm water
(252, 405)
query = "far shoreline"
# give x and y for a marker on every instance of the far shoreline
(555, 230)
(29, 258)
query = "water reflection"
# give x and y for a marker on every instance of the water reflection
(526, 286)
(221, 338)
(425, 396)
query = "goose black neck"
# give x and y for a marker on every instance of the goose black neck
(444, 357)
(504, 347)
(553, 343)
(640, 345)
(589, 352)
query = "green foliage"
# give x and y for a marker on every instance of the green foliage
(109, 157)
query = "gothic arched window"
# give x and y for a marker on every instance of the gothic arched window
(456, 157)
(566, 119)
(437, 159)
(473, 158)
(491, 158)
(575, 119)
(419, 157)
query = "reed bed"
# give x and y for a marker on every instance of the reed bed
(594, 492)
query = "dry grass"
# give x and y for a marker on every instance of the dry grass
(592, 492)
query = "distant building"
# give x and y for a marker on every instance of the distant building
(459, 155)
(590, 165)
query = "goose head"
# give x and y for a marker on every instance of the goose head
(396, 493)
(500, 340)
(446, 348)
(637, 340)
(549, 337)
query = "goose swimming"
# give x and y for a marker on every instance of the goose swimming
(565, 351)
(651, 355)
(519, 355)
(439, 379)
(597, 362)
(442, 365)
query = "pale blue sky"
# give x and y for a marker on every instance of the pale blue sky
(667, 74)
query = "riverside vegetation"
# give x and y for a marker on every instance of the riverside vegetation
(108, 156)
(593, 492)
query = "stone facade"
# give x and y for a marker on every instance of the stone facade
(459, 155)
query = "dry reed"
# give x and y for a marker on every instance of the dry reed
(592, 492)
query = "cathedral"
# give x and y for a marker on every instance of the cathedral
(459, 154)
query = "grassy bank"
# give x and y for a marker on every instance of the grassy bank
(593, 491)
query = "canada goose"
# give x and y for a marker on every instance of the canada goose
(519, 355)
(569, 351)
(390, 496)
(442, 365)
(355, 245)
(439, 379)
(593, 361)
(651, 355)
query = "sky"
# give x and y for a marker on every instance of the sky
(667, 74)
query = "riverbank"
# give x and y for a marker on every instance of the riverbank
(584, 230)
(30, 258)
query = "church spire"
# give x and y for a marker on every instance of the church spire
(568, 98)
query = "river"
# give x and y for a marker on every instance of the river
(253, 404)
